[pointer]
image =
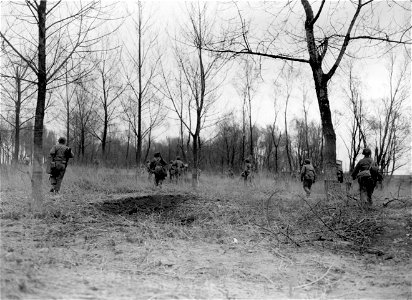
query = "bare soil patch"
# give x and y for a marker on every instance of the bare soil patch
(142, 204)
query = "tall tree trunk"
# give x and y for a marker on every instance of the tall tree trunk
(329, 150)
(195, 170)
(128, 146)
(83, 143)
(37, 175)
(287, 138)
(139, 108)
(306, 131)
(67, 110)
(182, 146)
(17, 120)
(243, 132)
(149, 143)
(232, 159)
(251, 127)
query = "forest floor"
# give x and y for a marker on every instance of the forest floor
(108, 237)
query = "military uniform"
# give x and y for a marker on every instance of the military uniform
(158, 168)
(247, 171)
(367, 175)
(307, 176)
(176, 168)
(59, 157)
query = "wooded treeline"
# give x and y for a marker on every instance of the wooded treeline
(108, 78)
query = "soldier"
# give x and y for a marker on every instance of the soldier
(307, 176)
(185, 168)
(230, 173)
(58, 159)
(339, 171)
(367, 174)
(247, 171)
(158, 168)
(179, 166)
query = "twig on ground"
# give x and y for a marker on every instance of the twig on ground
(394, 199)
(268, 279)
(279, 232)
(310, 283)
(326, 225)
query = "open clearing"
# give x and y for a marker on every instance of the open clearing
(107, 238)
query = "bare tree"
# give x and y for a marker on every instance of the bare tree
(288, 76)
(84, 117)
(198, 69)
(109, 89)
(390, 124)
(247, 87)
(143, 108)
(74, 77)
(17, 91)
(357, 117)
(63, 30)
(141, 71)
(322, 46)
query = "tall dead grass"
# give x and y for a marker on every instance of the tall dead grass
(222, 209)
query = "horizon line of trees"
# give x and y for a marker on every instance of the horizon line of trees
(273, 151)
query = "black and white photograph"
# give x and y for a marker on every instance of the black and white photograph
(205, 149)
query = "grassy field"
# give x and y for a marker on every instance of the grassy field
(112, 235)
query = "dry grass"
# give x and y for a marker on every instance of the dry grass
(220, 206)
(97, 225)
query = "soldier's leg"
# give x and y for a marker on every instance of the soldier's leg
(306, 187)
(59, 180)
(53, 182)
(363, 192)
(310, 186)
(370, 188)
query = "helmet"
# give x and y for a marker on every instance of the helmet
(177, 157)
(157, 154)
(366, 151)
(62, 140)
(307, 161)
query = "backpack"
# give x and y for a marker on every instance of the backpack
(309, 174)
(365, 173)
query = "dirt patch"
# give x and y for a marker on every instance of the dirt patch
(170, 207)
(143, 204)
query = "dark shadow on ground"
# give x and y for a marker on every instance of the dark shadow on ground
(143, 204)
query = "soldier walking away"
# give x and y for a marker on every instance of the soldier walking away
(230, 173)
(366, 171)
(307, 176)
(58, 159)
(158, 168)
(172, 170)
(176, 168)
(247, 171)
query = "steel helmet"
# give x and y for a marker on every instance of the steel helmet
(366, 151)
